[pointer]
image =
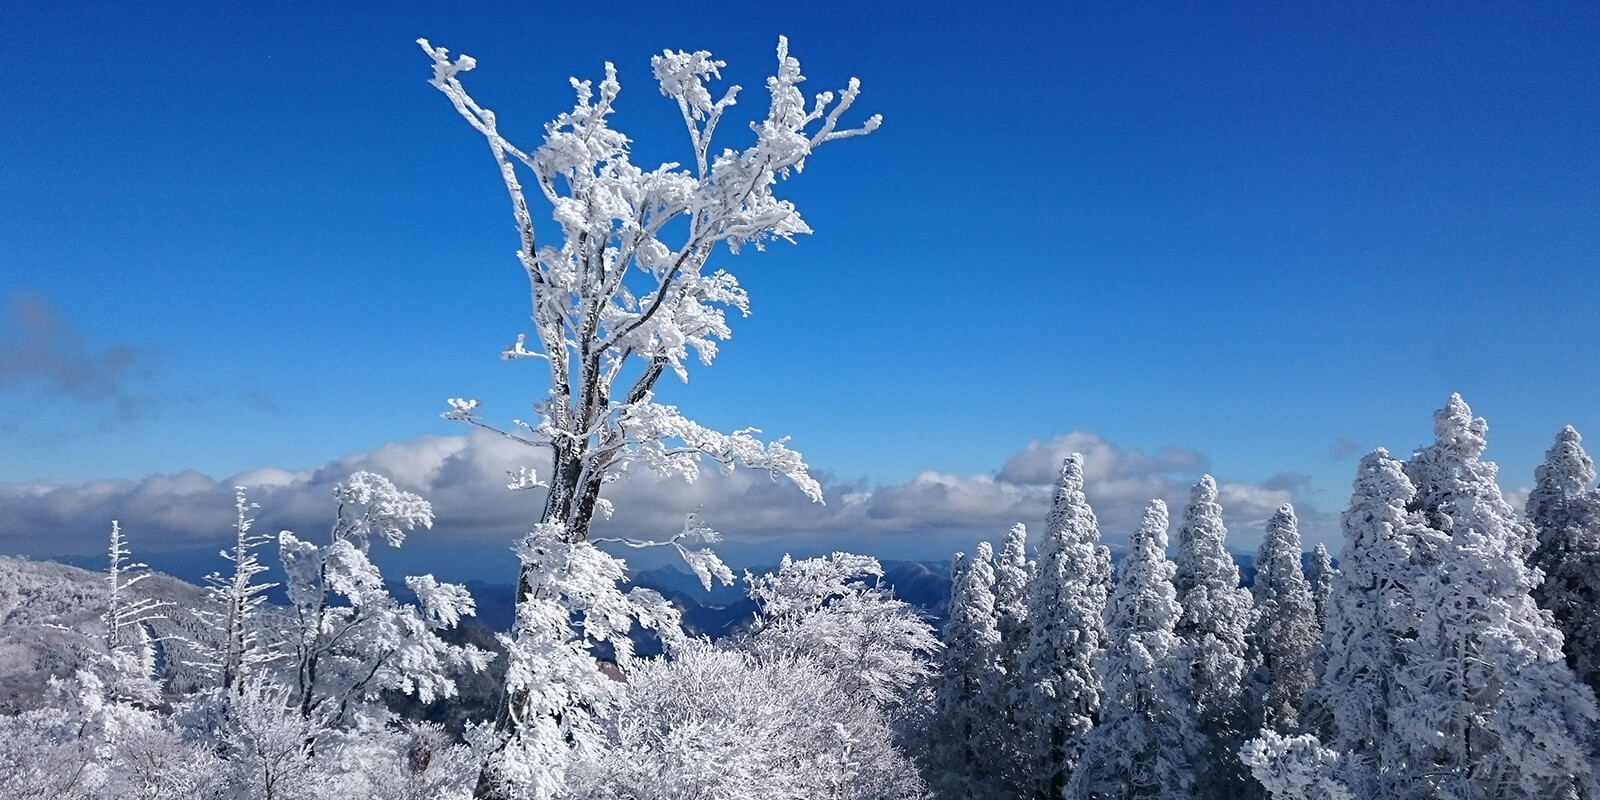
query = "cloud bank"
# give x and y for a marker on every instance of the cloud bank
(465, 478)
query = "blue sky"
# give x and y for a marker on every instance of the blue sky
(1256, 241)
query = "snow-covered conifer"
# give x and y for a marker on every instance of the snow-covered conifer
(1060, 690)
(1217, 618)
(1137, 749)
(1372, 615)
(970, 694)
(1565, 515)
(1011, 571)
(1011, 596)
(1286, 630)
(1320, 576)
(1441, 472)
(1488, 707)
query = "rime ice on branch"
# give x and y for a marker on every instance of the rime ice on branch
(616, 304)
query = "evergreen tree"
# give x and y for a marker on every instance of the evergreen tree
(1011, 570)
(1137, 749)
(1217, 617)
(1488, 707)
(1372, 616)
(1061, 691)
(1441, 471)
(971, 684)
(1565, 516)
(1286, 630)
(1011, 596)
(1321, 579)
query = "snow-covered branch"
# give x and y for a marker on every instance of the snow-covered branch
(614, 290)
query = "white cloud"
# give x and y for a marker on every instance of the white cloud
(1039, 462)
(465, 478)
(1518, 497)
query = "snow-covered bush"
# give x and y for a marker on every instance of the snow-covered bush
(719, 724)
(873, 646)
(91, 742)
(1294, 767)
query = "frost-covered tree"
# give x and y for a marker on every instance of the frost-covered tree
(1372, 617)
(1487, 705)
(1217, 618)
(627, 292)
(353, 640)
(1286, 631)
(970, 694)
(269, 747)
(1137, 749)
(1011, 569)
(1060, 690)
(129, 644)
(1320, 576)
(1565, 515)
(616, 301)
(89, 743)
(239, 598)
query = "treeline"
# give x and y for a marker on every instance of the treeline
(1453, 653)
